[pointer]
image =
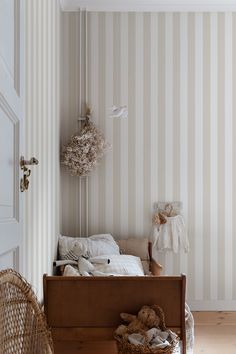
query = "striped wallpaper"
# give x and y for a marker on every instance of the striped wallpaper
(177, 74)
(41, 209)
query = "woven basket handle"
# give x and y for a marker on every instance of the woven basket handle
(161, 315)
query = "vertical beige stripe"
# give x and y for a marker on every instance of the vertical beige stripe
(64, 122)
(89, 98)
(214, 157)
(154, 108)
(116, 126)
(161, 106)
(176, 121)
(147, 207)
(101, 98)
(191, 149)
(206, 153)
(77, 107)
(221, 150)
(161, 113)
(184, 127)
(109, 122)
(94, 84)
(139, 125)
(234, 154)
(132, 124)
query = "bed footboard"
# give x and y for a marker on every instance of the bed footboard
(89, 307)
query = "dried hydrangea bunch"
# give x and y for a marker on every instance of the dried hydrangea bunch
(84, 150)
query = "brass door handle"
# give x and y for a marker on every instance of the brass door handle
(24, 182)
(32, 161)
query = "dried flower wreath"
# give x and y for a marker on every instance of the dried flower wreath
(84, 150)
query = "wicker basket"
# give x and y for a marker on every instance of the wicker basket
(23, 327)
(125, 347)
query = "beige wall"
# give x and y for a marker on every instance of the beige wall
(177, 73)
(41, 138)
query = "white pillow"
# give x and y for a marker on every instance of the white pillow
(120, 265)
(96, 245)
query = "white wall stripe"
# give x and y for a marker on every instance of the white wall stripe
(184, 125)
(191, 152)
(124, 203)
(101, 115)
(221, 153)
(206, 155)
(169, 122)
(93, 88)
(154, 109)
(132, 124)
(116, 126)
(228, 156)
(213, 157)
(198, 246)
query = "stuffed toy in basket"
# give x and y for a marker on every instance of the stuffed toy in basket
(145, 333)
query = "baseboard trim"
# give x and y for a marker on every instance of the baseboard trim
(212, 305)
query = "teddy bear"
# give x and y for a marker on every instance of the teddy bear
(146, 319)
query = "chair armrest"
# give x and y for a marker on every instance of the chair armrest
(155, 268)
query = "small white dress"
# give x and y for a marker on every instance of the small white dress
(171, 236)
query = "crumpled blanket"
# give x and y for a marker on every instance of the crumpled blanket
(156, 338)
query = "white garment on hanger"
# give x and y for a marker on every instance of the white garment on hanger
(171, 236)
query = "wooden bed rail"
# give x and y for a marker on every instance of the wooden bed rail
(77, 307)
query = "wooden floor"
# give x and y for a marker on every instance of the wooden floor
(215, 332)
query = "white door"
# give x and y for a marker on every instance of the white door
(11, 114)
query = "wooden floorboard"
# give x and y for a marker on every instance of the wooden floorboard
(77, 347)
(215, 332)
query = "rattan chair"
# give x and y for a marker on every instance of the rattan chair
(23, 328)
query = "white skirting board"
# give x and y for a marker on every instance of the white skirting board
(212, 305)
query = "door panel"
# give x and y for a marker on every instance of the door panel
(11, 118)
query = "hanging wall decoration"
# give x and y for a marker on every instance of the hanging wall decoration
(84, 150)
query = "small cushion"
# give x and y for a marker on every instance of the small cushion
(96, 245)
(120, 265)
(136, 246)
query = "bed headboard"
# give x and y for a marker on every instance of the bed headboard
(96, 302)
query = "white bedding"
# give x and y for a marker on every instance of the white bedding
(118, 265)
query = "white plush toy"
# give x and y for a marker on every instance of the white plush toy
(85, 265)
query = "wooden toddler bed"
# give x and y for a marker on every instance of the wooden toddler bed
(87, 309)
